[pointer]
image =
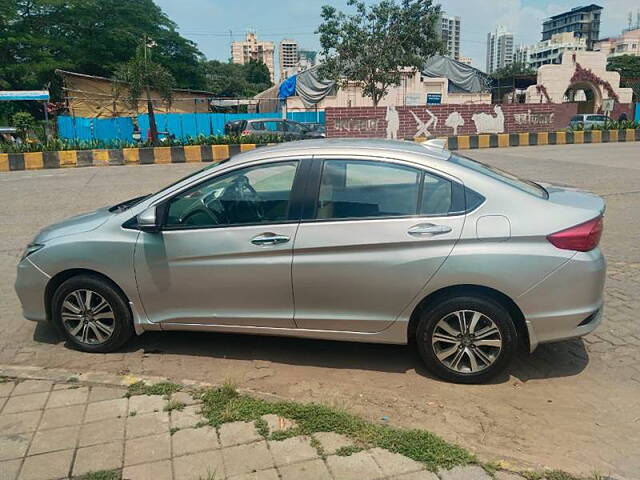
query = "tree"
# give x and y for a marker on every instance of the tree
(628, 66)
(23, 122)
(87, 36)
(226, 79)
(376, 44)
(141, 74)
(257, 73)
(513, 69)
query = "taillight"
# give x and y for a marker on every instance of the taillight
(583, 237)
(245, 132)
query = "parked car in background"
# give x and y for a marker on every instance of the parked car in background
(587, 121)
(286, 129)
(357, 240)
(9, 135)
(315, 130)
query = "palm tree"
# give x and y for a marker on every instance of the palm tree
(140, 75)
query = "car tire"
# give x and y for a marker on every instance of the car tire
(437, 334)
(112, 323)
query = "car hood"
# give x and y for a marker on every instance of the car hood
(71, 226)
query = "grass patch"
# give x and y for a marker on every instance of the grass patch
(102, 475)
(162, 388)
(262, 427)
(174, 405)
(173, 430)
(133, 413)
(225, 404)
(349, 450)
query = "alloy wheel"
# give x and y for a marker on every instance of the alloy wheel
(466, 341)
(88, 317)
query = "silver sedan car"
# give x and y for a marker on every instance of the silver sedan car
(355, 240)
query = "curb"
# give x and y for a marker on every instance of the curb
(10, 162)
(126, 156)
(563, 137)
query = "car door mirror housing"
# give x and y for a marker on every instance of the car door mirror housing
(149, 220)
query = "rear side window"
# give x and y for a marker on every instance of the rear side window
(256, 126)
(576, 118)
(273, 126)
(363, 189)
(500, 175)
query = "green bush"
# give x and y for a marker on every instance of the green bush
(23, 122)
(56, 144)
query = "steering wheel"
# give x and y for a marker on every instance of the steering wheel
(198, 207)
(247, 194)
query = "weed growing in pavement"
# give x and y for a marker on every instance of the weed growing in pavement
(225, 404)
(133, 413)
(262, 427)
(102, 475)
(348, 450)
(174, 405)
(162, 388)
(173, 430)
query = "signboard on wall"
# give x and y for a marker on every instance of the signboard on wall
(434, 98)
(607, 105)
(413, 99)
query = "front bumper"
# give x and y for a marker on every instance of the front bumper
(568, 303)
(30, 286)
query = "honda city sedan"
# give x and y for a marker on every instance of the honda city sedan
(355, 240)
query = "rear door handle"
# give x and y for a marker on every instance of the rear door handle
(428, 229)
(269, 238)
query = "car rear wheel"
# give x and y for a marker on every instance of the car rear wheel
(92, 314)
(466, 339)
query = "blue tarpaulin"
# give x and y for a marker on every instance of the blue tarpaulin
(11, 95)
(287, 88)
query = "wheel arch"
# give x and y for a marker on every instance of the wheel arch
(470, 289)
(60, 277)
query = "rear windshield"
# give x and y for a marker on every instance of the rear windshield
(501, 175)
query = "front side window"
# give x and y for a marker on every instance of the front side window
(251, 195)
(367, 189)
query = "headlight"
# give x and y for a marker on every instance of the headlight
(31, 248)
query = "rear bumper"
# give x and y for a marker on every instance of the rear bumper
(568, 303)
(30, 286)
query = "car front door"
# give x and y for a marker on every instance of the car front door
(373, 236)
(224, 254)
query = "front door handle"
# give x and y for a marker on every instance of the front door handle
(429, 229)
(269, 238)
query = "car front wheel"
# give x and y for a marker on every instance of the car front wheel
(466, 339)
(92, 314)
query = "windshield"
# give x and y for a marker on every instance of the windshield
(497, 174)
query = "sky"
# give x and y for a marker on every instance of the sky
(211, 24)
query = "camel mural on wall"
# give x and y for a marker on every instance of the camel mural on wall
(487, 123)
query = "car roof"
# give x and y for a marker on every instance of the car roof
(274, 119)
(345, 146)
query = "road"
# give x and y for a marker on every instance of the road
(573, 405)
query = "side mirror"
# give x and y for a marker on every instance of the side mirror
(148, 220)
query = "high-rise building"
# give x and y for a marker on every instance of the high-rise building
(499, 49)
(627, 44)
(450, 31)
(549, 51)
(289, 58)
(252, 49)
(584, 22)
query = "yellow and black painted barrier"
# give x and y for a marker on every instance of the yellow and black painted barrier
(563, 137)
(217, 153)
(125, 156)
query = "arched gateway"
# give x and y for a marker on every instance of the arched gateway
(582, 78)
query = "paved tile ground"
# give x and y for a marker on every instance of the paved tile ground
(98, 428)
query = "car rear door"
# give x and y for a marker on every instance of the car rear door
(372, 235)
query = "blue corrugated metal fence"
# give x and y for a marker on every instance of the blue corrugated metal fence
(182, 125)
